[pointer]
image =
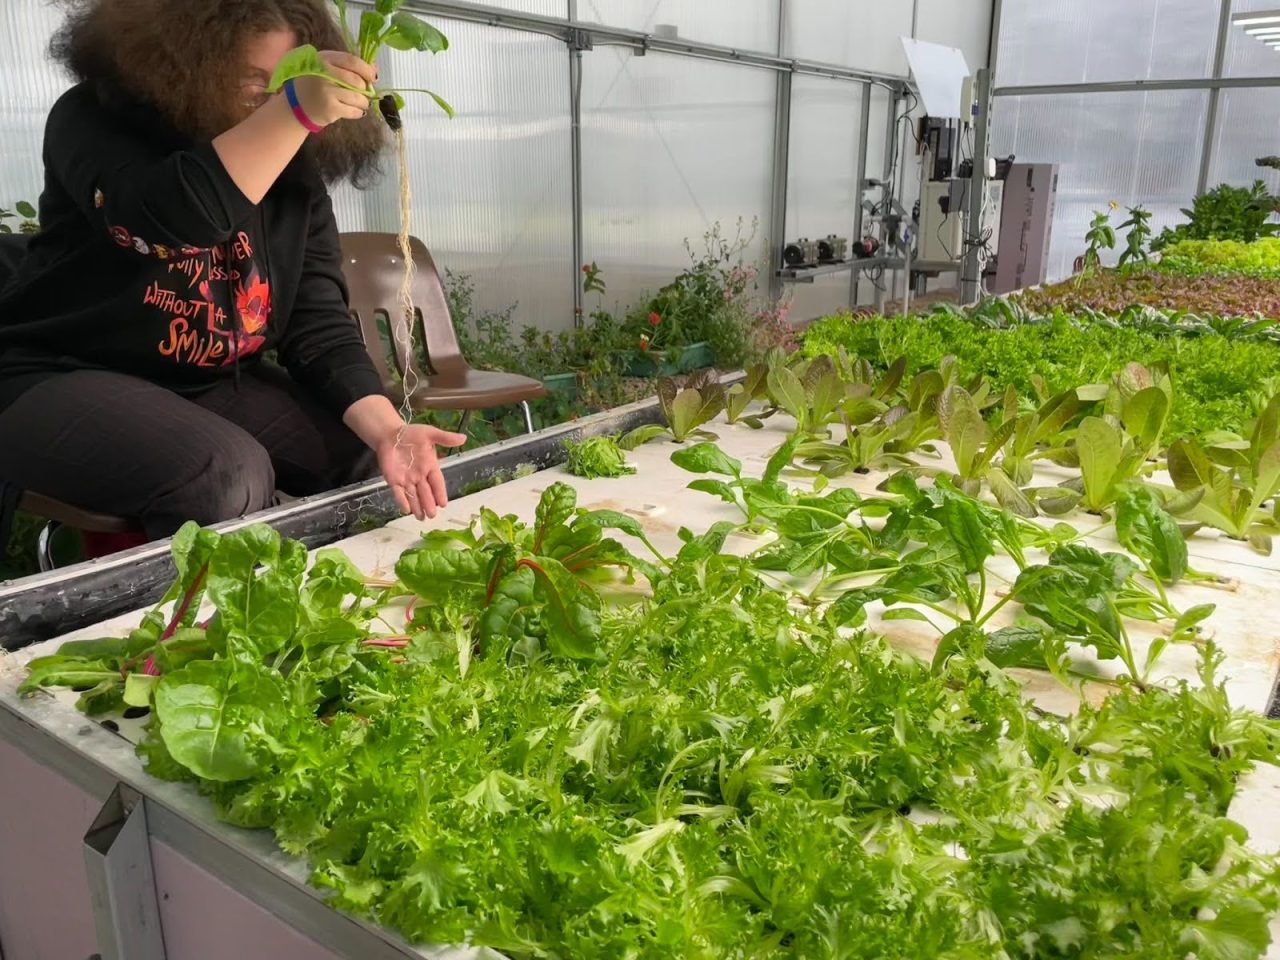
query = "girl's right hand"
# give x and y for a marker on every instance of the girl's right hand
(326, 102)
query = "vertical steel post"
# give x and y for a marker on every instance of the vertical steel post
(971, 269)
(1215, 96)
(781, 166)
(577, 45)
(860, 174)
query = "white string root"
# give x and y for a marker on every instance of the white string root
(403, 333)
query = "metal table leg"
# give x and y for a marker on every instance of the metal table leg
(122, 886)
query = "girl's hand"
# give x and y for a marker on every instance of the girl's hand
(326, 102)
(412, 468)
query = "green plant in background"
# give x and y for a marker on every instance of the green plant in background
(385, 25)
(25, 214)
(1138, 236)
(712, 301)
(1226, 213)
(1216, 374)
(1194, 258)
(1100, 236)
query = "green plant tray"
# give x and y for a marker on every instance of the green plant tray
(666, 363)
(563, 383)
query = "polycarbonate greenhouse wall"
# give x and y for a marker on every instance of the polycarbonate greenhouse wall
(1139, 101)
(670, 143)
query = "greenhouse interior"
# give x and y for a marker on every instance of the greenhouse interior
(683, 479)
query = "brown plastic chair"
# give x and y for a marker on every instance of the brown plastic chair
(59, 514)
(374, 268)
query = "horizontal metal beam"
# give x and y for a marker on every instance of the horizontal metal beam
(571, 31)
(1138, 86)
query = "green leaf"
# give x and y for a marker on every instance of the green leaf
(303, 61)
(59, 671)
(572, 612)
(331, 581)
(964, 429)
(597, 457)
(211, 712)
(611, 520)
(138, 688)
(788, 392)
(963, 522)
(1188, 466)
(1100, 453)
(509, 611)
(433, 573)
(692, 408)
(555, 508)
(257, 608)
(1193, 617)
(1145, 416)
(26, 210)
(1009, 496)
(183, 647)
(1238, 932)
(1145, 529)
(965, 639)
(1017, 646)
(707, 458)
(371, 24)
(410, 33)
(717, 488)
(905, 613)
(781, 458)
(641, 435)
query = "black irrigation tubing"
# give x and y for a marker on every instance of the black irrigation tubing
(52, 604)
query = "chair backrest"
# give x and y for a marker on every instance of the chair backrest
(374, 269)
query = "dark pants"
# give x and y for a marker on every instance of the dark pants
(116, 444)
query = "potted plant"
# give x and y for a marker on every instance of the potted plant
(25, 214)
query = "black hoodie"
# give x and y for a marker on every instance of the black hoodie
(152, 262)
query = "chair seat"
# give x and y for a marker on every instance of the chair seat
(75, 517)
(467, 389)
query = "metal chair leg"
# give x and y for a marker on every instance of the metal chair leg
(44, 545)
(528, 415)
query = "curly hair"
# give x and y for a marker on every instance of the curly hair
(186, 58)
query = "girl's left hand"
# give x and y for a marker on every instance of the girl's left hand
(412, 469)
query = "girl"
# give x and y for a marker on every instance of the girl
(187, 230)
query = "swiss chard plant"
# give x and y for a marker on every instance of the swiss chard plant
(385, 25)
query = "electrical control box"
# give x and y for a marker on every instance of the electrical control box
(942, 221)
(1026, 226)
